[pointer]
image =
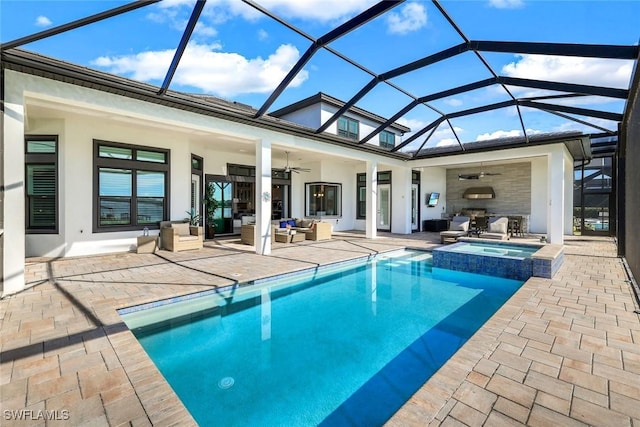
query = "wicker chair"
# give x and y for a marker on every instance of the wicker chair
(181, 237)
(318, 231)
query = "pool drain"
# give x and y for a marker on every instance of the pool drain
(226, 382)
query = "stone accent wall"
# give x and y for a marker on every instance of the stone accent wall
(512, 188)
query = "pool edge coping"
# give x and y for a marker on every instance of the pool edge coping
(257, 282)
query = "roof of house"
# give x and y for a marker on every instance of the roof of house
(321, 97)
(39, 65)
(578, 144)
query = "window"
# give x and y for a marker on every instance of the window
(349, 128)
(361, 196)
(387, 139)
(323, 199)
(131, 186)
(41, 180)
(196, 186)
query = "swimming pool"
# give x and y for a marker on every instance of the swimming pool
(342, 345)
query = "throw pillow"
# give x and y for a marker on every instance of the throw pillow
(459, 226)
(183, 228)
(283, 224)
(498, 227)
(305, 223)
(291, 222)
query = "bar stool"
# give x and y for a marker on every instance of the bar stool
(515, 225)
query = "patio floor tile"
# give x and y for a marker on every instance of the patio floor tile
(560, 352)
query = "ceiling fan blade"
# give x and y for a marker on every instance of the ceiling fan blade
(463, 177)
(295, 169)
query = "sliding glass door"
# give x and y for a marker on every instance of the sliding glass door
(594, 197)
(223, 216)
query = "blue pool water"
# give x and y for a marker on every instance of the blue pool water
(340, 346)
(496, 249)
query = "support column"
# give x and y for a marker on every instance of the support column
(401, 200)
(372, 198)
(263, 198)
(568, 195)
(12, 238)
(555, 211)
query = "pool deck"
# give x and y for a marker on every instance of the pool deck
(562, 351)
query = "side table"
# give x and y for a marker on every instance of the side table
(147, 244)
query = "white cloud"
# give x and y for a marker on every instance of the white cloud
(445, 142)
(506, 4)
(412, 17)
(498, 134)
(505, 134)
(167, 4)
(575, 126)
(453, 102)
(590, 71)
(206, 68)
(443, 135)
(317, 10)
(205, 30)
(219, 11)
(414, 124)
(262, 34)
(43, 21)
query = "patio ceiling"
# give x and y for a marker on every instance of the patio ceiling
(442, 109)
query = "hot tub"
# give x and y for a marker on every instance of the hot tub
(517, 261)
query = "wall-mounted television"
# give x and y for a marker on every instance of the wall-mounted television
(432, 199)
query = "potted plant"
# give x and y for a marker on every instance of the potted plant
(210, 206)
(193, 219)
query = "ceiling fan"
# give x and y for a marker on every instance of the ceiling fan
(478, 175)
(288, 168)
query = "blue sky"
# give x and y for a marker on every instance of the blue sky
(239, 54)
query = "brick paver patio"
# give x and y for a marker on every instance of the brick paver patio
(564, 351)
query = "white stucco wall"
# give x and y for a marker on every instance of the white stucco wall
(401, 200)
(13, 239)
(334, 171)
(308, 116)
(366, 126)
(83, 115)
(539, 198)
(568, 194)
(433, 180)
(76, 136)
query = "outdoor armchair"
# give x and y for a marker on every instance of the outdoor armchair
(497, 229)
(318, 231)
(181, 237)
(458, 227)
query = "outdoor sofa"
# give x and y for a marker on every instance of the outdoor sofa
(312, 228)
